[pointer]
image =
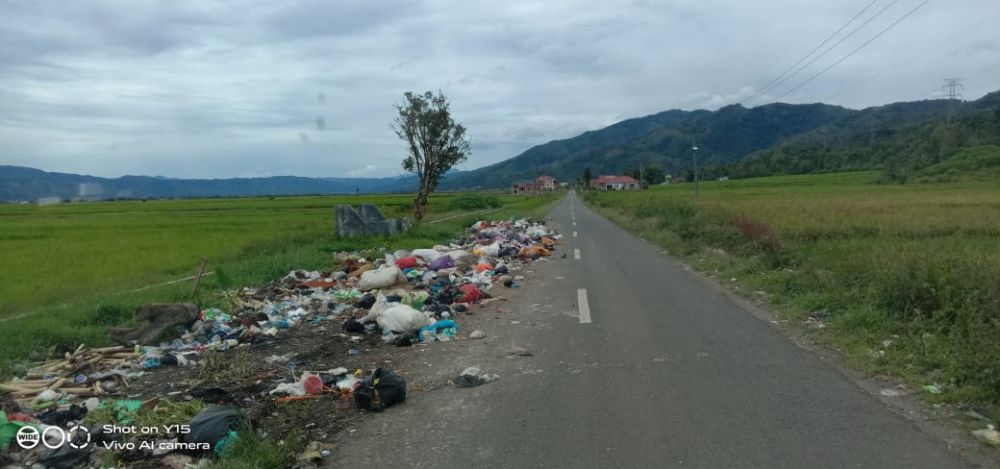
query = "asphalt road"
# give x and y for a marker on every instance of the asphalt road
(669, 372)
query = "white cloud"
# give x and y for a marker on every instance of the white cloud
(220, 89)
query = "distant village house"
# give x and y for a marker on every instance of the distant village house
(614, 183)
(540, 184)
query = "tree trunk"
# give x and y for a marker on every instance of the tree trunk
(420, 205)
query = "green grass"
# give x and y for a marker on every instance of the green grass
(475, 201)
(70, 270)
(917, 265)
(252, 450)
(974, 163)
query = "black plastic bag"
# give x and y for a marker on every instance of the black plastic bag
(61, 418)
(353, 325)
(366, 301)
(213, 424)
(380, 390)
(64, 457)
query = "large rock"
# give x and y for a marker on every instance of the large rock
(369, 221)
(154, 321)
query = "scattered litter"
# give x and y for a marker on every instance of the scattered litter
(380, 390)
(932, 388)
(316, 450)
(477, 334)
(519, 352)
(311, 384)
(472, 377)
(293, 389)
(988, 435)
(348, 382)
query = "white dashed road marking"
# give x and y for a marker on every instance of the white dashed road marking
(581, 301)
(574, 234)
(576, 254)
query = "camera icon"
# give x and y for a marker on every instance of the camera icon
(28, 437)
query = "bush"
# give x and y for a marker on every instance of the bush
(473, 201)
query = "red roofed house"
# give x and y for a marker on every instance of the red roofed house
(541, 183)
(614, 183)
(524, 187)
(546, 183)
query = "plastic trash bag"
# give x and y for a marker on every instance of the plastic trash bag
(492, 250)
(446, 327)
(442, 262)
(536, 232)
(533, 251)
(213, 424)
(380, 305)
(402, 318)
(470, 293)
(472, 377)
(428, 255)
(406, 262)
(380, 390)
(63, 457)
(381, 278)
(457, 254)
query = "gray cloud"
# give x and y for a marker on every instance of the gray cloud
(307, 87)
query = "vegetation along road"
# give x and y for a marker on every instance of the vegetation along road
(638, 362)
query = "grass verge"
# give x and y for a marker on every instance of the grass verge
(904, 279)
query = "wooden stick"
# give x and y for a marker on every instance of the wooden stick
(15, 389)
(197, 277)
(118, 348)
(56, 385)
(77, 390)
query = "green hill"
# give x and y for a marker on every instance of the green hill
(767, 140)
(901, 139)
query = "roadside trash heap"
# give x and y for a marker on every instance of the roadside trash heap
(404, 297)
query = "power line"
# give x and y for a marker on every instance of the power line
(841, 41)
(855, 51)
(767, 86)
(980, 72)
(838, 43)
(964, 31)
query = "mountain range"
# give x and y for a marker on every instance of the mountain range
(736, 141)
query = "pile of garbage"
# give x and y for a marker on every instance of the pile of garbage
(404, 297)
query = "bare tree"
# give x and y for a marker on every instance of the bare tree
(436, 142)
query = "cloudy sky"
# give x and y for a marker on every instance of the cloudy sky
(272, 87)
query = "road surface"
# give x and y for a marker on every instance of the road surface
(636, 363)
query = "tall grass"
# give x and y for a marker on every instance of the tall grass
(907, 277)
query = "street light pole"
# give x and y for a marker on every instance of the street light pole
(694, 164)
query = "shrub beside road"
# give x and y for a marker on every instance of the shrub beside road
(904, 278)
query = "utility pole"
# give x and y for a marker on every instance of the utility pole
(640, 174)
(952, 86)
(694, 164)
